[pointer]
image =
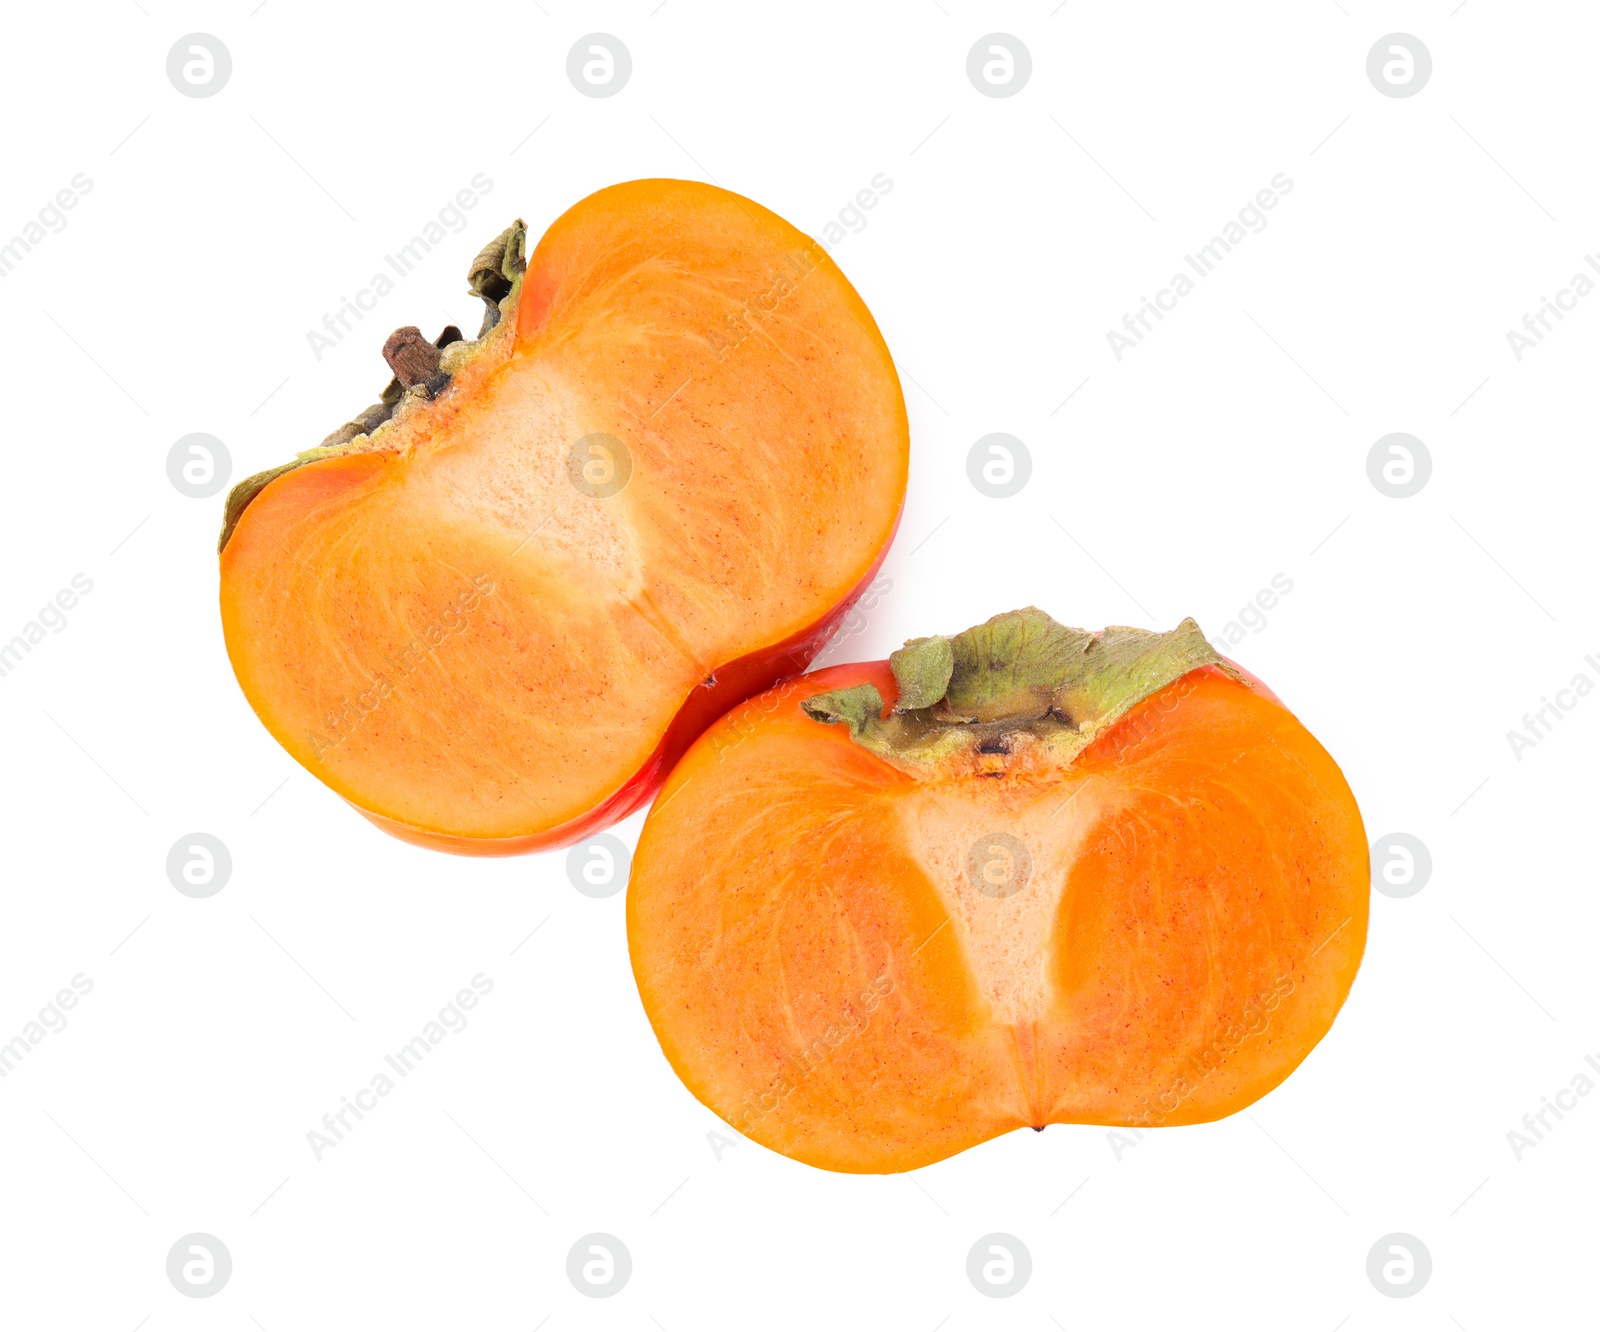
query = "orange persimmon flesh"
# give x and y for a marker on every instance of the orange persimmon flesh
(824, 970)
(453, 625)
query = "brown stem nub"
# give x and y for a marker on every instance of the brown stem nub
(411, 356)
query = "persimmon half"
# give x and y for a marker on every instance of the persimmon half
(1022, 876)
(493, 609)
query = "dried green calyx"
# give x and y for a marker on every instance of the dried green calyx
(422, 369)
(1017, 685)
(497, 272)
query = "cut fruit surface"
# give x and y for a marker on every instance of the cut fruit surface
(1085, 879)
(495, 608)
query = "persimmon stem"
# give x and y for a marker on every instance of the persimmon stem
(411, 356)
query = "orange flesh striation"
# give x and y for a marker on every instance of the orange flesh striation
(823, 973)
(479, 655)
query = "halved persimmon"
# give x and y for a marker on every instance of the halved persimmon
(1022, 876)
(493, 609)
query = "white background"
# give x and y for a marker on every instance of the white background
(1229, 447)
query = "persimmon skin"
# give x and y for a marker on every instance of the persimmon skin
(818, 975)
